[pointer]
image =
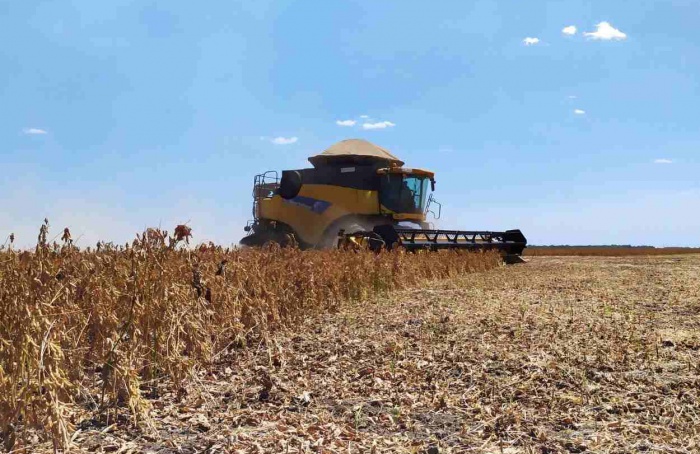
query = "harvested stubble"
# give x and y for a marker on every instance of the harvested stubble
(94, 328)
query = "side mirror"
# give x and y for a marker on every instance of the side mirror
(290, 184)
(432, 184)
(429, 207)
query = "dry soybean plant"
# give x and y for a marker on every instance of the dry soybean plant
(91, 329)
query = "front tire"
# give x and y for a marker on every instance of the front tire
(330, 239)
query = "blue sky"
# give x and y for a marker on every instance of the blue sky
(119, 115)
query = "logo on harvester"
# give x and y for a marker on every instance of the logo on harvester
(315, 205)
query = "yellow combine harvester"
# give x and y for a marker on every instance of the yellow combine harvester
(359, 193)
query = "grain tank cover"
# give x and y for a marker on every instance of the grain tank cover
(355, 151)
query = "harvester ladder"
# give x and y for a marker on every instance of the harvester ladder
(264, 186)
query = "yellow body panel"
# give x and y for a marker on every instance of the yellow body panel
(406, 171)
(311, 223)
(408, 216)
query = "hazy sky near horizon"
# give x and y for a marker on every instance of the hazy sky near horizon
(575, 121)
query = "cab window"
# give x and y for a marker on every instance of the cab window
(403, 193)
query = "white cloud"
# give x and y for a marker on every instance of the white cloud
(579, 112)
(345, 122)
(606, 32)
(531, 41)
(663, 161)
(284, 140)
(364, 117)
(570, 30)
(573, 96)
(33, 131)
(378, 125)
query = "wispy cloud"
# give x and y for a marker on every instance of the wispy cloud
(606, 32)
(663, 161)
(378, 125)
(34, 131)
(573, 96)
(570, 30)
(579, 112)
(364, 117)
(345, 122)
(284, 140)
(531, 41)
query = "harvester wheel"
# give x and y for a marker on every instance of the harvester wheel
(353, 228)
(330, 240)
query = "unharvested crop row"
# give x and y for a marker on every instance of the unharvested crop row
(93, 328)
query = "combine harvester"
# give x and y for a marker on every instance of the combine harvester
(360, 194)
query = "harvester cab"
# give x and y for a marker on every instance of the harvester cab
(358, 193)
(403, 193)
